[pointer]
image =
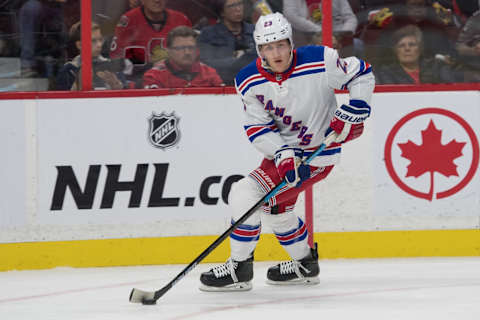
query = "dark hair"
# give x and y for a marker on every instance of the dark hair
(217, 6)
(180, 31)
(75, 33)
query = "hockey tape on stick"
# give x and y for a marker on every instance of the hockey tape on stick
(151, 297)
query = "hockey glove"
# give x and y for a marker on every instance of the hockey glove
(348, 121)
(291, 167)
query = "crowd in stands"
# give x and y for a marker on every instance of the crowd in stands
(198, 43)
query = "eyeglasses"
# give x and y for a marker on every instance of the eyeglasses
(184, 48)
(234, 5)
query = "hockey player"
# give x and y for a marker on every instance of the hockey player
(290, 108)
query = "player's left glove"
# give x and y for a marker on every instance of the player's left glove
(348, 121)
(290, 166)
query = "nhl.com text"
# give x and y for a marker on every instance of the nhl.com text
(85, 192)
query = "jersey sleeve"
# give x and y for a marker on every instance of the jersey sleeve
(121, 38)
(152, 79)
(259, 125)
(352, 74)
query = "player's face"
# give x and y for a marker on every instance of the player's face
(408, 50)
(233, 10)
(154, 6)
(183, 51)
(277, 55)
(97, 42)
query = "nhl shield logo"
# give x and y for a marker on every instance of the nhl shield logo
(163, 131)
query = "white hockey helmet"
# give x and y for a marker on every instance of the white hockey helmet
(270, 28)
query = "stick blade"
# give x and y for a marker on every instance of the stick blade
(143, 297)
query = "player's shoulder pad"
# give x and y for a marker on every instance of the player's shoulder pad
(246, 75)
(310, 54)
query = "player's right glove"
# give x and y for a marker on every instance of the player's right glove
(290, 166)
(348, 121)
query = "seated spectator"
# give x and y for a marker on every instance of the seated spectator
(228, 45)
(410, 67)
(106, 73)
(438, 38)
(306, 19)
(468, 48)
(43, 37)
(146, 27)
(182, 68)
(469, 36)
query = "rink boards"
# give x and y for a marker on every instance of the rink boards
(143, 180)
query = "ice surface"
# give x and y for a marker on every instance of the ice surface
(416, 288)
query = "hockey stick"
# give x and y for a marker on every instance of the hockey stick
(151, 297)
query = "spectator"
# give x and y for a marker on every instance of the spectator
(469, 37)
(438, 38)
(306, 19)
(228, 45)
(182, 68)
(106, 74)
(43, 37)
(468, 48)
(410, 67)
(146, 27)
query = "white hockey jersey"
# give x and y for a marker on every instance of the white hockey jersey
(295, 108)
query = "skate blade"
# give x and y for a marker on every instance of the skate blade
(296, 282)
(239, 286)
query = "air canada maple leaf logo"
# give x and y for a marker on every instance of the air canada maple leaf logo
(441, 163)
(431, 156)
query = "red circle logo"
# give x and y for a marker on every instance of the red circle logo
(431, 156)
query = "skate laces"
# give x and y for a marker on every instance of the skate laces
(228, 268)
(292, 266)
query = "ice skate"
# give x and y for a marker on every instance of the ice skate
(230, 276)
(304, 271)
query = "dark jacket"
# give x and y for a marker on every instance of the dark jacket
(217, 46)
(68, 74)
(430, 72)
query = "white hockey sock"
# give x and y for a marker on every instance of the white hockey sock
(292, 234)
(243, 240)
